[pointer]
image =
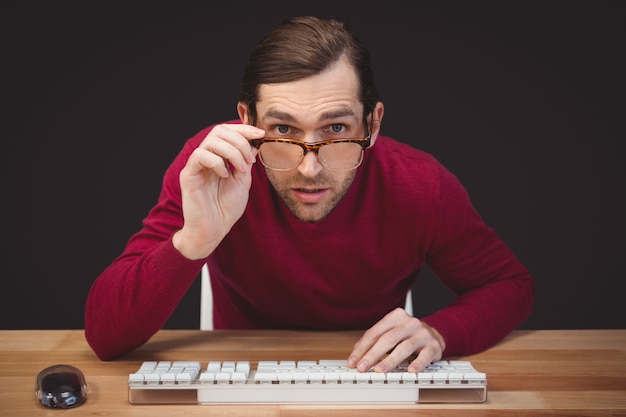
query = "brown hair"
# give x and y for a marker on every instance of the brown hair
(301, 47)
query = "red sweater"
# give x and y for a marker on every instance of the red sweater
(347, 271)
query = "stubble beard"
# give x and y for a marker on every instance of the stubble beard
(311, 212)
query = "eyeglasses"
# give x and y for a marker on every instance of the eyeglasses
(283, 154)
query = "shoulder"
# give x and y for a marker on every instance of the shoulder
(399, 164)
(398, 158)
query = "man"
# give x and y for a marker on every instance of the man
(328, 230)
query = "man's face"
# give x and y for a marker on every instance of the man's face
(311, 110)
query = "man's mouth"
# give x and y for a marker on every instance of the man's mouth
(310, 195)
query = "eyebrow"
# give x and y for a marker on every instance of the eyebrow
(333, 114)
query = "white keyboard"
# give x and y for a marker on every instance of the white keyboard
(302, 382)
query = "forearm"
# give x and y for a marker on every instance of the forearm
(134, 297)
(480, 318)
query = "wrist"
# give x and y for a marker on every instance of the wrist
(191, 248)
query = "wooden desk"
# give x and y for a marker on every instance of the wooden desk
(530, 373)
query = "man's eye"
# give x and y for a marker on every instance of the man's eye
(282, 129)
(336, 128)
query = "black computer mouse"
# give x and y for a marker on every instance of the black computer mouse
(61, 386)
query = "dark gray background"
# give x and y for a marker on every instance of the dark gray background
(523, 101)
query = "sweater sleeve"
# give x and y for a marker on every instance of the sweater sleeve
(136, 294)
(495, 291)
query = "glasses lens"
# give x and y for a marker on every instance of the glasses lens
(280, 155)
(341, 156)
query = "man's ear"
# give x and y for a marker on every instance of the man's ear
(376, 121)
(244, 113)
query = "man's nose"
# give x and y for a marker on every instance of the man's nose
(310, 165)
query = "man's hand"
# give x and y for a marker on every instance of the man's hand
(401, 336)
(215, 185)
